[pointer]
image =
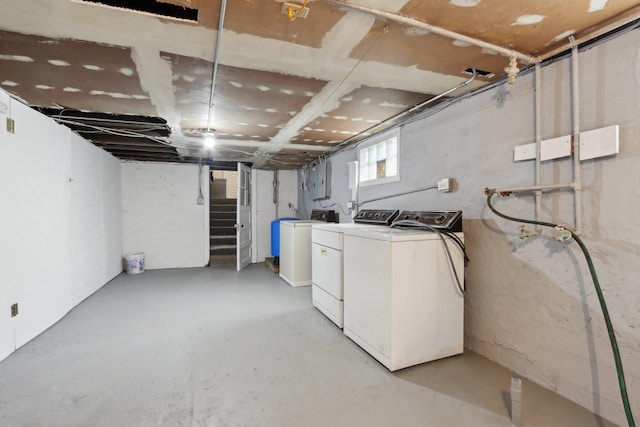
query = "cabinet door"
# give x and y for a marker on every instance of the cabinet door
(326, 269)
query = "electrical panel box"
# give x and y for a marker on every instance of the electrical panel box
(320, 180)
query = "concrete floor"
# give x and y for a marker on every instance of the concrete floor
(213, 347)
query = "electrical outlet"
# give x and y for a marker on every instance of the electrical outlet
(201, 200)
(11, 125)
(444, 185)
(350, 204)
(14, 310)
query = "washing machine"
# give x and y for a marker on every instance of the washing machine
(295, 247)
(402, 303)
(327, 259)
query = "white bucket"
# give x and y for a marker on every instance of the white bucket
(134, 263)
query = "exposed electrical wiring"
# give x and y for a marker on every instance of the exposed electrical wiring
(119, 132)
(431, 187)
(339, 205)
(365, 133)
(385, 30)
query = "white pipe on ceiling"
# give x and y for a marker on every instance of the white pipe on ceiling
(214, 73)
(339, 146)
(597, 33)
(404, 20)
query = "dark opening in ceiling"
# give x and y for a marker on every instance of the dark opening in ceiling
(152, 7)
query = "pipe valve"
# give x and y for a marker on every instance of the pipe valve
(525, 234)
(492, 191)
(562, 234)
(512, 70)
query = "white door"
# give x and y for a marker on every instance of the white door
(243, 217)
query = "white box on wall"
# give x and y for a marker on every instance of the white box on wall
(600, 142)
(555, 148)
(524, 152)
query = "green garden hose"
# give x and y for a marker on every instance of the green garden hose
(603, 304)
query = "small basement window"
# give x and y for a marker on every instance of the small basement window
(378, 160)
(153, 7)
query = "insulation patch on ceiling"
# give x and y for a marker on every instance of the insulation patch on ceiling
(414, 31)
(596, 5)
(18, 58)
(465, 3)
(563, 35)
(59, 63)
(528, 20)
(461, 43)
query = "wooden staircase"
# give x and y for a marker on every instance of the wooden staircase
(222, 220)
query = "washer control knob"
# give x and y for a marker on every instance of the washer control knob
(442, 218)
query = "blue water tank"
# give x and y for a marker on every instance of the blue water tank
(275, 235)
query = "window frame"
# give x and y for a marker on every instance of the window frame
(395, 133)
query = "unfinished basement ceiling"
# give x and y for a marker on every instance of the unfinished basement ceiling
(286, 91)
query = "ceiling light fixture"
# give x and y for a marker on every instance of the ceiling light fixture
(209, 142)
(209, 138)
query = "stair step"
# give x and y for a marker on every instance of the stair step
(222, 231)
(222, 215)
(222, 249)
(223, 246)
(216, 223)
(222, 240)
(223, 202)
(225, 251)
(222, 208)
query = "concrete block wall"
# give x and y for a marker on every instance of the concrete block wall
(530, 304)
(161, 216)
(60, 222)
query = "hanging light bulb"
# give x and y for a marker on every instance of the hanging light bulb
(209, 138)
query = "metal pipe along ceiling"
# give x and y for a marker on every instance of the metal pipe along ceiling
(402, 113)
(214, 72)
(635, 15)
(438, 30)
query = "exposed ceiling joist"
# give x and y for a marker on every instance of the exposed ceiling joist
(285, 91)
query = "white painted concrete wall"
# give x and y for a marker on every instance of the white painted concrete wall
(264, 210)
(60, 222)
(161, 216)
(531, 304)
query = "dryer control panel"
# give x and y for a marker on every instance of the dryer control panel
(375, 216)
(443, 220)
